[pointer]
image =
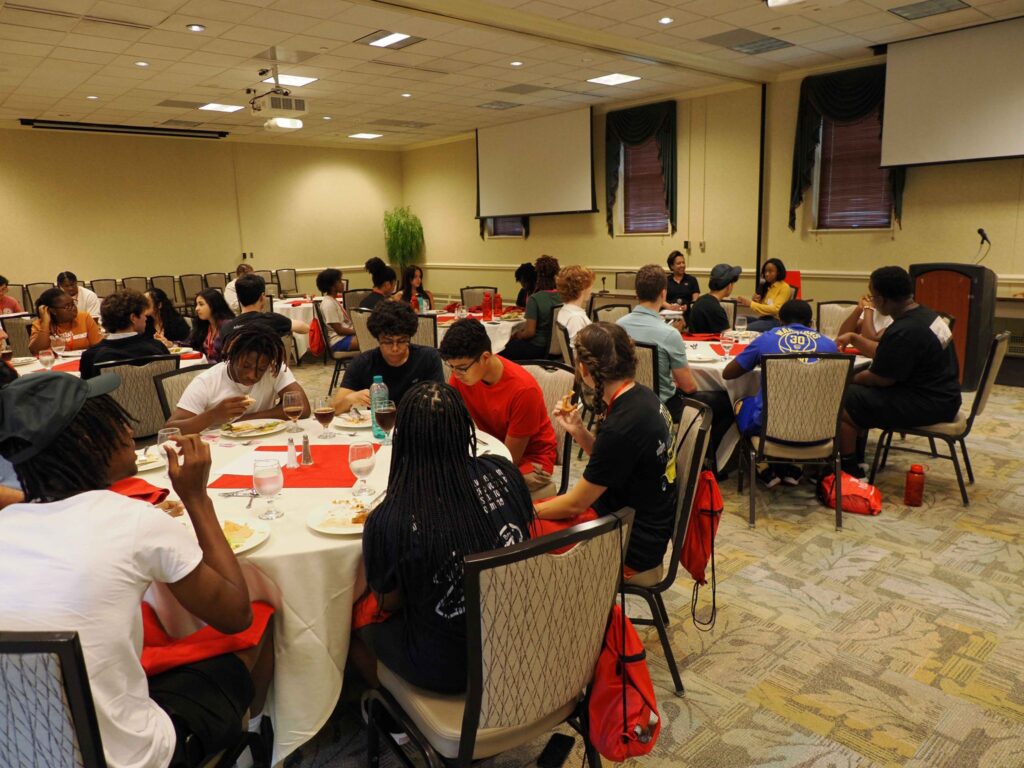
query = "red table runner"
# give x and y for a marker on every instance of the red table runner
(70, 365)
(736, 349)
(329, 470)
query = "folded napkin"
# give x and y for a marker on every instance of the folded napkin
(137, 488)
(701, 336)
(70, 365)
(329, 470)
(298, 303)
(192, 356)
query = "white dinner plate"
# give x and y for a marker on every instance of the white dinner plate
(145, 462)
(243, 535)
(351, 421)
(701, 357)
(19, 361)
(71, 353)
(253, 428)
(179, 350)
(335, 519)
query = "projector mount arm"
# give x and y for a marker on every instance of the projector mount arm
(277, 88)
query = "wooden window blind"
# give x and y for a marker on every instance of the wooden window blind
(643, 190)
(507, 226)
(853, 191)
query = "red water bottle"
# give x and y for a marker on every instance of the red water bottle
(414, 302)
(488, 311)
(913, 491)
(497, 303)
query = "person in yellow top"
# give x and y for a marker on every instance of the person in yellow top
(772, 293)
(58, 315)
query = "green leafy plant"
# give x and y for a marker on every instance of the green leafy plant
(403, 237)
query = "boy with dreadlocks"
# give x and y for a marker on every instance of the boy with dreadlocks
(440, 507)
(629, 453)
(249, 382)
(79, 558)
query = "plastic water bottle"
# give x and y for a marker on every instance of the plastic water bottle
(423, 305)
(378, 394)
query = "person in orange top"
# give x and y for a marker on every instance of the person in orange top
(58, 314)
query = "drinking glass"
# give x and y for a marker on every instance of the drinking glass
(46, 358)
(57, 344)
(164, 436)
(267, 481)
(386, 414)
(726, 343)
(741, 323)
(361, 459)
(291, 402)
(461, 312)
(323, 411)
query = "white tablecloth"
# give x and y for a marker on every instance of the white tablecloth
(303, 313)
(312, 580)
(499, 332)
(36, 366)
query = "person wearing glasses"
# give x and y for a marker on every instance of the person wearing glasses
(399, 362)
(58, 315)
(86, 300)
(251, 382)
(505, 401)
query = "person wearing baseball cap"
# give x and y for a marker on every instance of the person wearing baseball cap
(79, 557)
(706, 314)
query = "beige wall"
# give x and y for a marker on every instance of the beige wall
(111, 206)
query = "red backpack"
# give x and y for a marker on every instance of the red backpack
(317, 345)
(859, 497)
(699, 544)
(622, 712)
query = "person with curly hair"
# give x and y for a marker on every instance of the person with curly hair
(58, 315)
(124, 314)
(397, 360)
(532, 340)
(86, 300)
(574, 284)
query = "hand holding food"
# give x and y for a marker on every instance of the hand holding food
(566, 405)
(232, 407)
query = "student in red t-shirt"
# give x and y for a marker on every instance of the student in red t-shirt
(505, 401)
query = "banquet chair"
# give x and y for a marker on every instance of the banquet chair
(729, 305)
(556, 380)
(951, 432)
(47, 715)
(359, 320)
(19, 331)
(554, 346)
(215, 280)
(340, 358)
(271, 289)
(625, 281)
(647, 366)
(17, 292)
(140, 284)
(426, 332)
(166, 283)
(473, 295)
(350, 299)
(266, 274)
(103, 286)
(610, 313)
(802, 398)
(535, 627)
(191, 285)
(691, 449)
(564, 343)
(136, 394)
(171, 386)
(831, 315)
(287, 281)
(34, 291)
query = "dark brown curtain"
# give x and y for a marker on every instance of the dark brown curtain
(633, 127)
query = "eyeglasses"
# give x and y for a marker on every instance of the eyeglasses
(394, 343)
(465, 368)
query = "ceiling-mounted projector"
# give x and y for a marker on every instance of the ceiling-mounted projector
(278, 105)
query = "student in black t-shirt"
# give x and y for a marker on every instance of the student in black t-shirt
(683, 289)
(400, 363)
(914, 379)
(252, 296)
(123, 315)
(706, 314)
(440, 507)
(628, 454)
(384, 282)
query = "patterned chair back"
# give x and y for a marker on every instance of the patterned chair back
(17, 292)
(287, 281)
(691, 446)
(556, 380)
(350, 299)
(103, 286)
(18, 330)
(647, 366)
(47, 715)
(165, 283)
(473, 295)
(554, 346)
(34, 291)
(996, 355)
(729, 305)
(191, 285)
(625, 281)
(610, 313)
(215, 280)
(803, 396)
(140, 284)
(137, 394)
(426, 332)
(366, 339)
(564, 343)
(831, 315)
(171, 386)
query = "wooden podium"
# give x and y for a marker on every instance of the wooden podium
(968, 293)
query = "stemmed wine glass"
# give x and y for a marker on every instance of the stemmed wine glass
(741, 324)
(324, 413)
(726, 341)
(291, 403)
(46, 358)
(361, 458)
(267, 481)
(386, 414)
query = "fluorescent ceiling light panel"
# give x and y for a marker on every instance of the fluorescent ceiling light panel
(927, 8)
(214, 107)
(293, 80)
(195, 27)
(365, 135)
(384, 38)
(613, 79)
(394, 37)
(780, 3)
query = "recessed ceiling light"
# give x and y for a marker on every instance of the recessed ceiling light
(195, 27)
(214, 107)
(293, 80)
(365, 135)
(615, 78)
(141, 63)
(394, 37)
(92, 98)
(665, 20)
(406, 95)
(515, 63)
(327, 117)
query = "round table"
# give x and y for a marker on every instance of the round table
(301, 310)
(312, 580)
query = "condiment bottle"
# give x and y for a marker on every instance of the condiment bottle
(292, 461)
(307, 453)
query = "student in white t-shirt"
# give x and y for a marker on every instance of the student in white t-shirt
(86, 300)
(341, 334)
(231, 293)
(79, 558)
(249, 382)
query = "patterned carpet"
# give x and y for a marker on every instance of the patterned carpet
(898, 642)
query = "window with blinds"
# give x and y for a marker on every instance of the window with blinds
(643, 190)
(853, 191)
(506, 226)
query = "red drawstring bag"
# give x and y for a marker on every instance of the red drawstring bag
(317, 345)
(859, 497)
(622, 712)
(699, 544)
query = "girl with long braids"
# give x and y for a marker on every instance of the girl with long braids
(443, 503)
(628, 453)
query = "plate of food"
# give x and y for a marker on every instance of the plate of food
(70, 353)
(153, 459)
(177, 350)
(252, 428)
(19, 361)
(244, 535)
(513, 317)
(352, 420)
(342, 517)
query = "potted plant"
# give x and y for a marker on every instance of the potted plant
(403, 237)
